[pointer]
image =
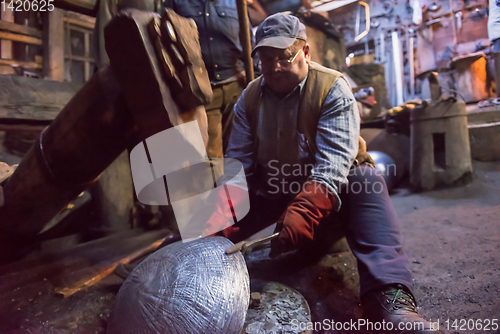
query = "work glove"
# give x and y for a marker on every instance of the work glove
(225, 211)
(302, 216)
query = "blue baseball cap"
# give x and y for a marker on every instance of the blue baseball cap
(279, 31)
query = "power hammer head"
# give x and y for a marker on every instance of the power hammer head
(158, 63)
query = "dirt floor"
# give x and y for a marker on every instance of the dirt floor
(452, 237)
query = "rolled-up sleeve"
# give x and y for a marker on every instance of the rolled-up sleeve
(336, 138)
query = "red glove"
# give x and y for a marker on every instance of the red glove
(229, 203)
(302, 216)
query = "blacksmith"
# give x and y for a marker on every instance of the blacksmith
(301, 113)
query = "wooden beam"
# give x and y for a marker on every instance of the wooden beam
(22, 127)
(20, 38)
(6, 46)
(79, 264)
(65, 257)
(20, 29)
(15, 63)
(28, 112)
(86, 7)
(53, 50)
(103, 270)
(80, 23)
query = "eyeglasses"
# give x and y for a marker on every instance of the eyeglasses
(285, 64)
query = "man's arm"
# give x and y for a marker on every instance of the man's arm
(336, 138)
(241, 141)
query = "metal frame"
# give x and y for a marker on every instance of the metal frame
(87, 59)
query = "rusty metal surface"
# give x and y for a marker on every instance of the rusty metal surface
(133, 50)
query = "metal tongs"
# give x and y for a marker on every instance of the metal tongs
(247, 247)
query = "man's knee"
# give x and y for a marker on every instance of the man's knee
(365, 179)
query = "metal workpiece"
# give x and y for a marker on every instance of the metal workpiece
(185, 287)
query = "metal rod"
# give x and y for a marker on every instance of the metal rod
(412, 63)
(246, 42)
(453, 24)
(398, 72)
(358, 18)
(86, 7)
(367, 21)
(382, 48)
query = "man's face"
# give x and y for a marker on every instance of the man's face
(283, 79)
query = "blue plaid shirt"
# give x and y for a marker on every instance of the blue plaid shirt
(283, 157)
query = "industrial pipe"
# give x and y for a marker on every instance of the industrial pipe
(358, 21)
(398, 67)
(246, 41)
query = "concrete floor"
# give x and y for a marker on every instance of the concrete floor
(452, 237)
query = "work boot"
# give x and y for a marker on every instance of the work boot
(395, 304)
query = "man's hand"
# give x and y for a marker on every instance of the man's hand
(302, 216)
(228, 203)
